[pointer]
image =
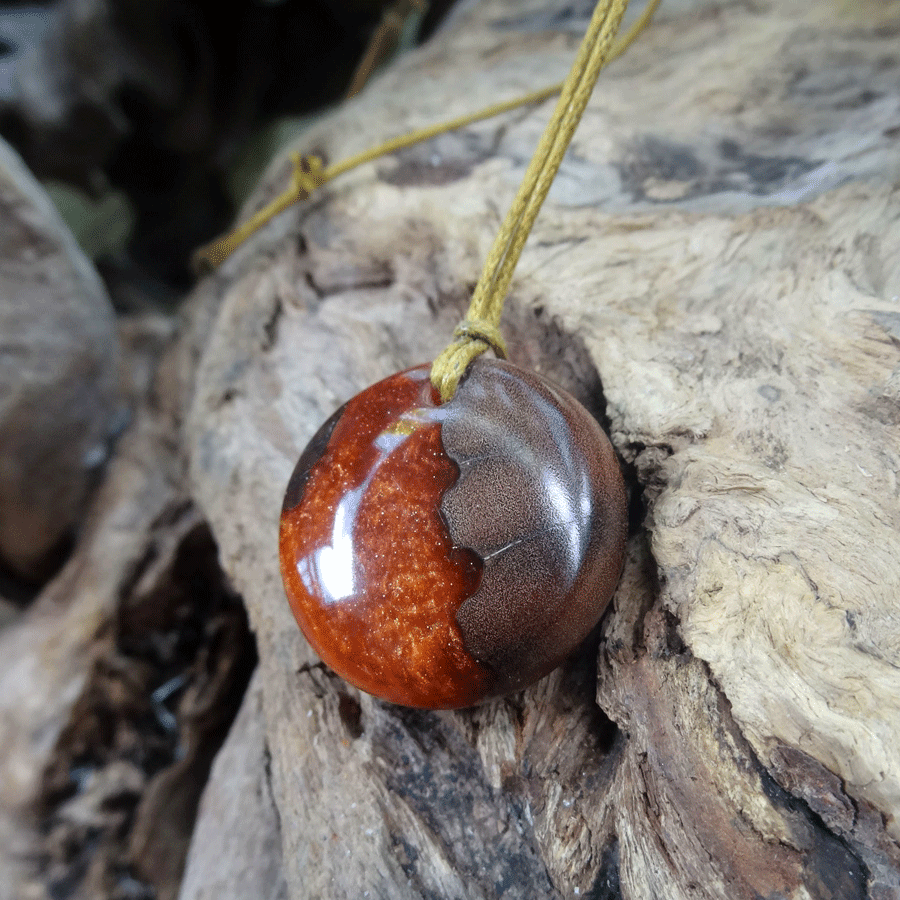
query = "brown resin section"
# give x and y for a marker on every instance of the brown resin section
(367, 562)
(540, 499)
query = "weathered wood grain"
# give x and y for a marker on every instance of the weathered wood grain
(118, 684)
(236, 846)
(717, 273)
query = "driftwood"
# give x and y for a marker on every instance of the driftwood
(118, 684)
(717, 276)
(717, 273)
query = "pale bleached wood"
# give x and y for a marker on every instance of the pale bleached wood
(718, 268)
(236, 846)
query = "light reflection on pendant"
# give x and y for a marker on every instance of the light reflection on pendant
(439, 555)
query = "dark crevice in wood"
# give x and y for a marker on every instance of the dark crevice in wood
(484, 836)
(270, 793)
(541, 342)
(328, 277)
(673, 645)
(350, 712)
(270, 326)
(120, 793)
(606, 885)
(831, 866)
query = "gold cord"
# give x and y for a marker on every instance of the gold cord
(213, 254)
(480, 329)
(310, 173)
(383, 42)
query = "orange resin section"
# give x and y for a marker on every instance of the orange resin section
(368, 565)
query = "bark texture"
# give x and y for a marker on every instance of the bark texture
(716, 276)
(717, 273)
(118, 684)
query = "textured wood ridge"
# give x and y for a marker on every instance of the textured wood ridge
(717, 272)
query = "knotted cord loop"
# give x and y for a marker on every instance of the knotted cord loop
(471, 338)
(307, 174)
(484, 331)
(490, 292)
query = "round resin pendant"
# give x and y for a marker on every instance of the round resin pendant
(435, 554)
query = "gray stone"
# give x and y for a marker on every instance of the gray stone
(58, 374)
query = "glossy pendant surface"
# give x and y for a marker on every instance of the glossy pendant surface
(437, 555)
